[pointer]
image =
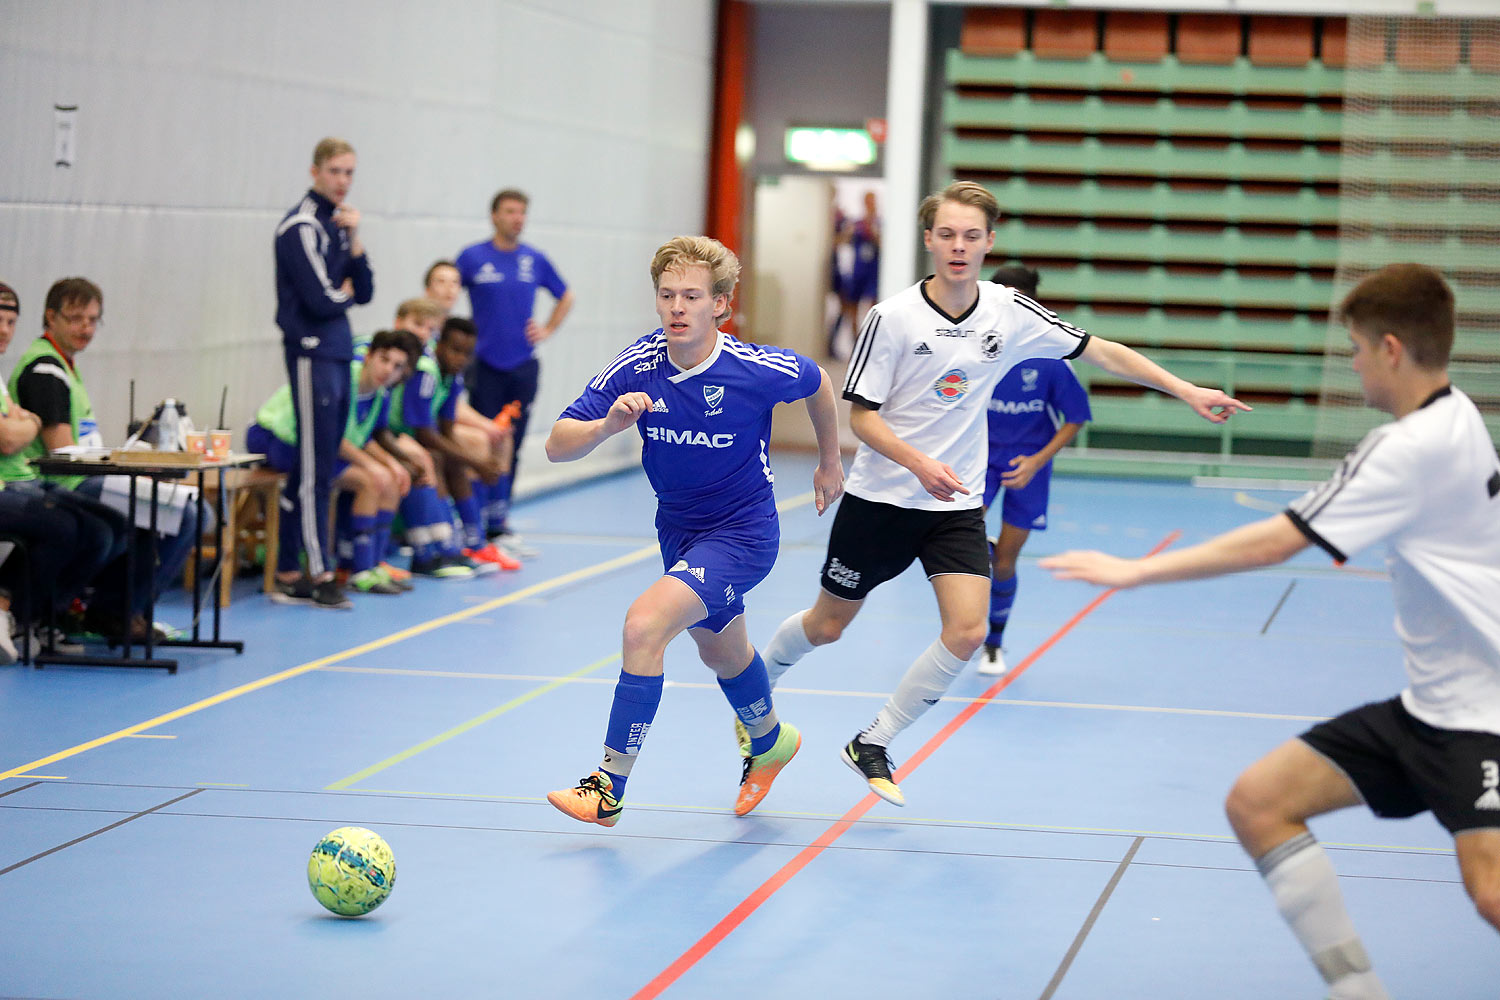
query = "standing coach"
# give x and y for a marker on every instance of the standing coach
(321, 270)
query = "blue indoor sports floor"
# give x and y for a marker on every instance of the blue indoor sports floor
(1063, 837)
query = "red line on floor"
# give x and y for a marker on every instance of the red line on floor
(768, 888)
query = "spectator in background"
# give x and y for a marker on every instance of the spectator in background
(46, 382)
(502, 275)
(858, 289)
(321, 270)
(1037, 408)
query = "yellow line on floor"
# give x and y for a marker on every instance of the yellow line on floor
(577, 575)
(369, 647)
(464, 727)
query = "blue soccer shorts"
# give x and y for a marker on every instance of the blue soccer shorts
(720, 565)
(1025, 508)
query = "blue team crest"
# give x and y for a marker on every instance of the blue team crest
(1028, 379)
(713, 395)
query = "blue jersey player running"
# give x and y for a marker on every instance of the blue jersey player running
(701, 401)
(1035, 410)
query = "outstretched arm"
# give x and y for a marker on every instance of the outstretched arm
(1117, 359)
(1263, 543)
(571, 438)
(828, 478)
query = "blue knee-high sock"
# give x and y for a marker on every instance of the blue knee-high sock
(441, 518)
(362, 535)
(630, 717)
(496, 505)
(749, 694)
(418, 532)
(472, 516)
(383, 519)
(1002, 596)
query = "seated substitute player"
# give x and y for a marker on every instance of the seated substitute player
(1034, 412)
(437, 551)
(701, 401)
(1428, 486)
(922, 370)
(374, 483)
(439, 383)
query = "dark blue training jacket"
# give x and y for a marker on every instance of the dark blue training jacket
(312, 261)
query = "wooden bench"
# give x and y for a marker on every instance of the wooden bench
(252, 517)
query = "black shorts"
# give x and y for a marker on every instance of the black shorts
(1402, 766)
(871, 543)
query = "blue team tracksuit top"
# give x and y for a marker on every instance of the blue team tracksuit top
(312, 261)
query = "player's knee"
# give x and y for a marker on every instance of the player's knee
(1487, 902)
(964, 640)
(1250, 808)
(821, 631)
(644, 630)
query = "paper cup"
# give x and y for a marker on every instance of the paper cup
(197, 442)
(218, 445)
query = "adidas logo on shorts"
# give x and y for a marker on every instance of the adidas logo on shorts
(696, 571)
(1489, 800)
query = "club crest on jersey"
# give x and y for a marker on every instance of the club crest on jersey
(713, 395)
(1028, 379)
(952, 385)
(990, 343)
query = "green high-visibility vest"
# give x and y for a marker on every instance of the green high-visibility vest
(81, 411)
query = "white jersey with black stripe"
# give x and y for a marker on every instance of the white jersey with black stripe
(1428, 485)
(931, 376)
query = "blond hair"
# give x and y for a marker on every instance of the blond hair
(682, 252)
(422, 309)
(964, 193)
(328, 148)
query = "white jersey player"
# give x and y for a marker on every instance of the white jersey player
(1428, 486)
(920, 379)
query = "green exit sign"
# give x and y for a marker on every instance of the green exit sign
(830, 148)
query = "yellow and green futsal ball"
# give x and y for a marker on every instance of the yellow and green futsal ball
(351, 871)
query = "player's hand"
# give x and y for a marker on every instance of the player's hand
(1093, 567)
(938, 479)
(535, 332)
(346, 216)
(1022, 471)
(828, 485)
(402, 477)
(1214, 405)
(626, 410)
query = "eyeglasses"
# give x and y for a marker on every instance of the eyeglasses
(81, 319)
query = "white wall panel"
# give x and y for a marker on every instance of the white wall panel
(197, 119)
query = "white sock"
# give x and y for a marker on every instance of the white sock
(1306, 890)
(787, 646)
(926, 680)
